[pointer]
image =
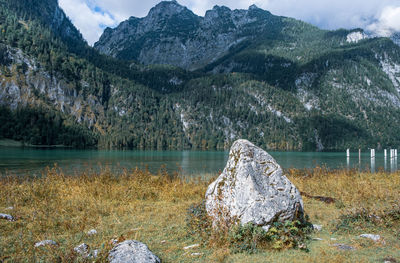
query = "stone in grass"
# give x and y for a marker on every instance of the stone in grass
(317, 227)
(82, 250)
(192, 246)
(46, 243)
(389, 260)
(92, 232)
(343, 247)
(132, 251)
(253, 189)
(7, 217)
(94, 253)
(375, 238)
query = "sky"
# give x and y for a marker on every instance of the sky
(381, 17)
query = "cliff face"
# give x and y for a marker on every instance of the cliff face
(172, 34)
(396, 38)
(24, 83)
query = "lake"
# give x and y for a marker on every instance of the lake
(32, 161)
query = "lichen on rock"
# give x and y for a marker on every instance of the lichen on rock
(252, 189)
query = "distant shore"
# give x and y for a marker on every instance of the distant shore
(13, 143)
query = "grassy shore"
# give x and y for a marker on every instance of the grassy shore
(153, 208)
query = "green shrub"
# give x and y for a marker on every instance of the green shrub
(362, 218)
(282, 235)
(246, 238)
(198, 224)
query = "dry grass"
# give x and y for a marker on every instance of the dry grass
(152, 209)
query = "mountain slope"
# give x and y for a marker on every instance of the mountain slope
(286, 85)
(47, 12)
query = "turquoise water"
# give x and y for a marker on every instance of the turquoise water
(31, 161)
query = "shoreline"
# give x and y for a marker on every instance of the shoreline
(20, 144)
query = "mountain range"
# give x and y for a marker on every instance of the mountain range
(175, 80)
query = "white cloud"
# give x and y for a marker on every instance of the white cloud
(89, 22)
(387, 23)
(381, 16)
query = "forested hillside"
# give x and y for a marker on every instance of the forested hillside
(295, 88)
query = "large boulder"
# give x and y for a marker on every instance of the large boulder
(132, 251)
(252, 189)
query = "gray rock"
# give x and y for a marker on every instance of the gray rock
(82, 250)
(375, 238)
(94, 253)
(252, 189)
(192, 246)
(10, 208)
(317, 227)
(7, 217)
(46, 243)
(92, 232)
(132, 251)
(343, 247)
(317, 239)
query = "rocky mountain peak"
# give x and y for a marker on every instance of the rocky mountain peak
(172, 34)
(221, 9)
(253, 7)
(167, 9)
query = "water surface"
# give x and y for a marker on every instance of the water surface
(32, 161)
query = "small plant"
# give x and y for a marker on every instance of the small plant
(198, 223)
(282, 235)
(363, 217)
(246, 238)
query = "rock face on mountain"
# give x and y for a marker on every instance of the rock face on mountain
(253, 189)
(172, 34)
(396, 38)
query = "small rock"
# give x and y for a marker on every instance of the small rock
(131, 251)
(82, 250)
(196, 254)
(94, 253)
(390, 260)
(163, 241)
(317, 239)
(375, 238)
(302, 246)
(333, 239)
(92, 232)
(10, 208)
(317, 227)
(114, 241)
(7, 217)
(45, 243)
(344, 247)
(191, 246)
